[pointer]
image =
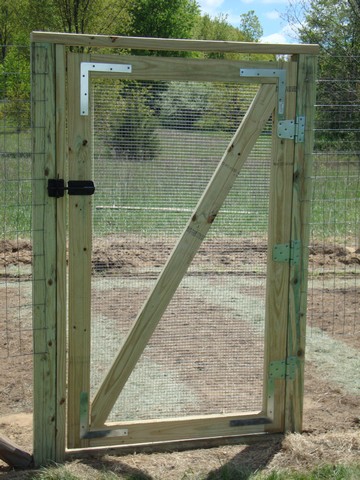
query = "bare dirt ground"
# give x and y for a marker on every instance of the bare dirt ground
(331, 411)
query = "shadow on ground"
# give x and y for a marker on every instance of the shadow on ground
(251, 459)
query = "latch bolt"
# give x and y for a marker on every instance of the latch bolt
(56, 187)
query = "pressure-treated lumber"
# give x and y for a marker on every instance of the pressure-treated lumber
(80, 239)
(279, 231)
(13, 455)
(300, 231)
(44, 254)
(177, 446)
(147, 43)
(179, 429)
(196, 70)
(61, 273)
(183, 253)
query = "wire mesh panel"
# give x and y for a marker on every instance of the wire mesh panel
(15, 236)
(334, 301)
(156, 147)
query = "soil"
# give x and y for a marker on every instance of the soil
(331, 411)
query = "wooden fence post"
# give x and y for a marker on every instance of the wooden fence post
(300, 233)
(48, 408)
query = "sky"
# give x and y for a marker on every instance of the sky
(268, 11)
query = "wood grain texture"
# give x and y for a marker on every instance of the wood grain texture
(176, 445)
(300, 231)
(279, 231)
(61, 298)
(143, 43)
(80, 240)
(183, 253)
(180, 428)
(44, 253)
(171, 68)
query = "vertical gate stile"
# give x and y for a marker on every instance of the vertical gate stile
(80, 232)
(277, 284)
(44, 254)
(61, 302)
(300, 233)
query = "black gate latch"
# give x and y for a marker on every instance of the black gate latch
(56, 187)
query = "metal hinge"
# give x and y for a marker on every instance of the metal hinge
(283, 368)
(292, 129)
(56, 187)
(287, 252)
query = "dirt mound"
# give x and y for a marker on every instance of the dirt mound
(127, 253)
(15, 252)
(326, 254)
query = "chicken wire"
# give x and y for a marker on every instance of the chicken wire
(207, 353)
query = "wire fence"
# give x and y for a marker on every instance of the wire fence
(334, 260)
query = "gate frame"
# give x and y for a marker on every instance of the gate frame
(48, 55)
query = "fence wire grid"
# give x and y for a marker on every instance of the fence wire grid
(334, 250)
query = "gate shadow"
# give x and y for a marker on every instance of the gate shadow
(251, 459)
(117, 467)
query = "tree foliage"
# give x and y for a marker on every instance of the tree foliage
(163, 19)
(150, 18)
(250, 26)
(130, 121)
(335, 26)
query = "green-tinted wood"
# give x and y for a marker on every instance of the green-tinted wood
(183, 253)
(61, 302)
(169, 68)
(300, 231)
(113, 41)
(44, 254)
(80, 232)
(179, 429)
(279, 231)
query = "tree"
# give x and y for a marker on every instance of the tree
(130, 122)
(183, 104)
(217, 28)
(250, 26)
(15, 88)
(10, 15)
(335, 26)
(163, 19)
(91, 16)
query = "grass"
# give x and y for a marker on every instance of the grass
(336, 196)
(172, 184)
(15, 184)
(160, 195)
(226, 472)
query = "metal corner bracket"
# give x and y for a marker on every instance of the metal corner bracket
(278, 73)
(85, 68)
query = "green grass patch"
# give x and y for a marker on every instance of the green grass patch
(227, 472)
(15, 185)
(325, 472)
(336, 197)
(159, 196)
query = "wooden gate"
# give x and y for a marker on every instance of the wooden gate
(64, 167)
